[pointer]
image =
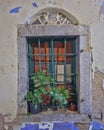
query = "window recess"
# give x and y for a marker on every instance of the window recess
(58, 57)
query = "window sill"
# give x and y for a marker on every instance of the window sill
(51, 116)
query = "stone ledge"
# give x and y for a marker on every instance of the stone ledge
(55, 116)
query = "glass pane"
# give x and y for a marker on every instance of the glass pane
(59, 51)
(36, 67)
(35, 51)
(44, 49)
(68, 59)
(68, 47)
(68, 73)
(45, 66)
(41, 54)
(60, 73)
(68, 51)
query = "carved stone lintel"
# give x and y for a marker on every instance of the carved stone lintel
(52, 19)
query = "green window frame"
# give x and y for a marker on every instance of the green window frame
(57, 69)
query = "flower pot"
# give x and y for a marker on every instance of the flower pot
(34, 108)
(44, 107)
(54, 107)
(72, 107)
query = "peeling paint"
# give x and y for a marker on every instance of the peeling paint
(98, 94)
(64, 126)
(54, 126)
(96, 126)
(15, 10)
(2, 69)
(34, 4)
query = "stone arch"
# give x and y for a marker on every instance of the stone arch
(53, 16)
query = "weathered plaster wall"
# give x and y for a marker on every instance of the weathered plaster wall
(88, 12)
(98, 95)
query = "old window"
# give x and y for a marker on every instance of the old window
(49, 32)
(57, 56)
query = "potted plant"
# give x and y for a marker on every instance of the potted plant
(59, 96)
(34, 99)
(40, 95)
(44, 81)
(72, 106)
(46, 101)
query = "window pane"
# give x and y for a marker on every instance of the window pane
(59, 51)
(68, 73)
(44, 49)
(60, 73)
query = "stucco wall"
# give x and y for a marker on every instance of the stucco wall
(87, 12)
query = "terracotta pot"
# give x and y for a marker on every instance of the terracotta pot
(73, 107)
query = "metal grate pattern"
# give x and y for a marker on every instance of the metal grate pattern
(57, 56)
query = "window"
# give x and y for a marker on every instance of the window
(57, 55)
(80, 64)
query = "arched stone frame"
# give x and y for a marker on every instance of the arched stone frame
(84, 87)
(67, 15)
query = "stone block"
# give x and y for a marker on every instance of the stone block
(96, 116)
